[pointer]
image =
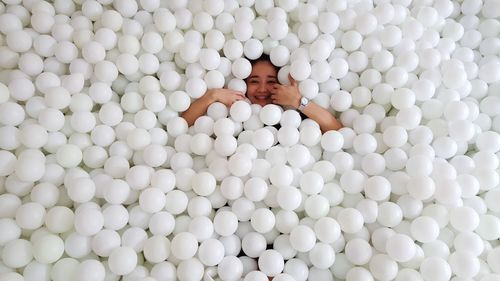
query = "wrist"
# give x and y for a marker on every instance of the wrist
(211, 96)
(303, 102)
(296, 103)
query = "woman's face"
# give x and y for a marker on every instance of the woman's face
(260, 82)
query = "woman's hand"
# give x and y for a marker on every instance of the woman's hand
(286, 95)
(290, 96)
(225, 96)
(200, 106)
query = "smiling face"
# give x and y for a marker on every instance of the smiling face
(260, 82)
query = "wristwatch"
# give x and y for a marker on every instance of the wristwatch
(303, 103)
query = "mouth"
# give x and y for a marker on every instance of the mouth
(262, 97)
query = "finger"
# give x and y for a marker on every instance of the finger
(233, 92)
(231, 101)
(280, 88)
(235, 99)
(292, 81)
(277, 102)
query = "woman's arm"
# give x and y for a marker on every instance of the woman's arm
(290, 96)
(199, 107)
(323, 117)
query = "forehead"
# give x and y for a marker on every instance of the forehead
(265, 68)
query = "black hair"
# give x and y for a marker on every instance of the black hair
(263, 57)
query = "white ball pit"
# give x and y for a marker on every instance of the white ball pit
(100, 177)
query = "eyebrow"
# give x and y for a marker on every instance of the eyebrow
(256, 76)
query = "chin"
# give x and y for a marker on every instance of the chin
(260, 102)
(263, 102)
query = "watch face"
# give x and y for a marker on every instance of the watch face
(304, 101)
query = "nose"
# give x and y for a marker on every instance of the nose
(262, 87)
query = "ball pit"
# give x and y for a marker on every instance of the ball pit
(100, 178)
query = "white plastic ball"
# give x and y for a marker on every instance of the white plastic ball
(179, 101)
(253, 48)
(358, 251)
(383, 267)
(277, 29)
(81, 190)
(17, 253)
(233, 49)
(263, 220)
(300, 69)
(230, 268)
(289, 198)
(122, 260)
(48, 249)
(240, 111)
(351, 40)
(395, 136)
(90, 270)
(93, 52)
(435, 268)
(302, 238)
(341, 101)
(18, 40)
(280, 55)
(184, 245)
(211, 252)
(152, 200)
(127, 64)
(400, 247)
(271, 263)
(88, 221)
(241, 68)
(225, 223)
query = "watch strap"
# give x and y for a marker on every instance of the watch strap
(303, 103)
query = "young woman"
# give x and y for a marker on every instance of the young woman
(263, 88)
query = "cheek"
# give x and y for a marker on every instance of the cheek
(250, 90)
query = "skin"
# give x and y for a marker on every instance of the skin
(200, 106)
(263, 88)
(261, 84)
